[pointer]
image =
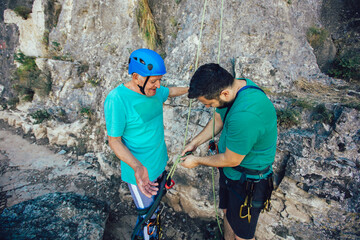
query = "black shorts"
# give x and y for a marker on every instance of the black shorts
(232, 196)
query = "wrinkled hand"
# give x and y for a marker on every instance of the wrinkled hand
(147, 187)
(189, 161)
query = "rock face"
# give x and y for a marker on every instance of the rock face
(85, 54)
(55, 216)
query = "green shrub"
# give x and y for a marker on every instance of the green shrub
(94, 81)
(83, 68)
(45, 38)
(346, 67)
(12, 102)
(22, 11)
(302, 103)
(316, 36)
(40, 116)
(28, 78)
(287, 117)
(322, 114)
(87, 113)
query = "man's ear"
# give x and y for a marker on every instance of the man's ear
(225, 95)
(136, 77)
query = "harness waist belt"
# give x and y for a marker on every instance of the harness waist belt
(249, 171)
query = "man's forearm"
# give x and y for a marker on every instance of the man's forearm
(227, 159)
(177, 91)
(207, 132)
(123, 153)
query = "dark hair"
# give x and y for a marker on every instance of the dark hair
(209, 80)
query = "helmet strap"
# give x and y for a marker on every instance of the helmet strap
(142, 89)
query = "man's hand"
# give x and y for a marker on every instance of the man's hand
(189, 148)
(147, 187)
(190, 161)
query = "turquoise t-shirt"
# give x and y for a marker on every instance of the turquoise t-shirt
(250, 129)
(138, 120)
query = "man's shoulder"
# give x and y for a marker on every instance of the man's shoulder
(117, 92)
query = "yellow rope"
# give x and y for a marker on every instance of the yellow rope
(177, 161)
(213, 132)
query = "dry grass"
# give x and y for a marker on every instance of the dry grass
(317, 92)
(147, 24)
(312, 87)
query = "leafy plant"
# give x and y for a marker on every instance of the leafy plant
(287, 117)
(45, 38)
(23, 11)
(40, 116)
(302, 103)
(12, 102)
(28, 78)
(25, 76)
(94, 81)
(83, 68)
(322, 114)
(87, 113)
(346, 67)
(316, 36)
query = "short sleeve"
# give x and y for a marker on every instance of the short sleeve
(164, 93)
(115, 117)
(242, 133)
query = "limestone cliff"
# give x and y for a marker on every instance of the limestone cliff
(288, 47)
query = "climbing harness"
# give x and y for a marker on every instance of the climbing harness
(255, 196)
(267, 203)
(148, 212)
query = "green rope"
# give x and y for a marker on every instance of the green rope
(213, 132)
(177, 161)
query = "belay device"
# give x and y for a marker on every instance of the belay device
(213, 148)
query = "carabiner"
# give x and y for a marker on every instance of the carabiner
(148, 228)
(172, 183)
(248, 215)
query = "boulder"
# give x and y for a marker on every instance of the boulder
(55, 216)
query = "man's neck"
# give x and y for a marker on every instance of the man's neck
(237, 85)
(133, 87)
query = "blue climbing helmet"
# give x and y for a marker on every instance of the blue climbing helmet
(146, 62)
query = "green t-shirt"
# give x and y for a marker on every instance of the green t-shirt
(138, 120)
(250, 129)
